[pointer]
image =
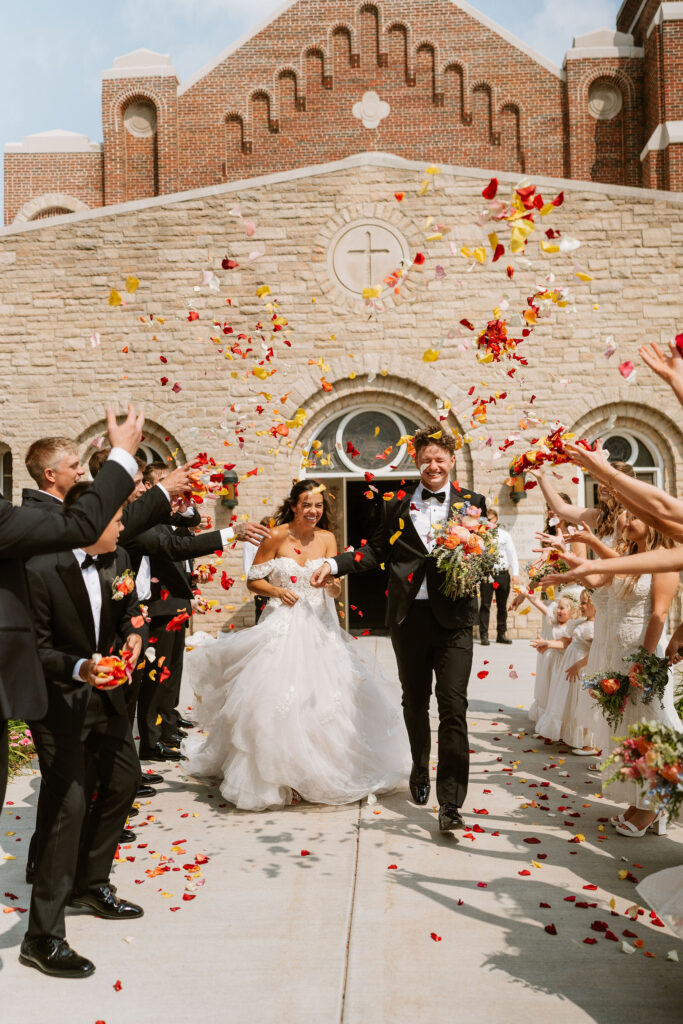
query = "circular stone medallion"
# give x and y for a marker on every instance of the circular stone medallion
(604, 100)
(362, 253)
(140, 119)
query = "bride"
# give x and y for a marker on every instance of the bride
(289, 709)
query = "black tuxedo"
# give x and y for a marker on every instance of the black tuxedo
(83, 740)
(25, 532)
(428, 636)
(167, 550)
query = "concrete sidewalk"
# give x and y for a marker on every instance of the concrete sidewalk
(326, 915)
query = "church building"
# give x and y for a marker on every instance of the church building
(281, 259)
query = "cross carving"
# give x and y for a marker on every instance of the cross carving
(368, 252)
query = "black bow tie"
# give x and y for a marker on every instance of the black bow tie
(88, 561)
(440, 497)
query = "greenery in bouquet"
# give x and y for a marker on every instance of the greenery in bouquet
(545, 566)
(466, 551)
(651, 756)
(646, 680)
(21, 748)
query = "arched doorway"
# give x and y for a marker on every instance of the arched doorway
(361, 454)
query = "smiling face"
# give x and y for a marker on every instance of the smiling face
(586, 608)
(635, 530)
(435, 465)
(308, 510)
(63, 474)
(564, 611)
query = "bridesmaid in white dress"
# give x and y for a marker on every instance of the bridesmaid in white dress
(558, 720)
(638, 608)
(289, 709)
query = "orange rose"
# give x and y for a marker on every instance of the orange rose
(671, 772)
(610, 686)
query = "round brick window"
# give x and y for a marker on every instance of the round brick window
(140, 118)
(604, 100)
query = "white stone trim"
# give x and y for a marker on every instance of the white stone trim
(472, 11)
(58, 140)
(46, 202)
(663, 136)
(604, 43)
(667, 12)
(372, 159)
(141, 64)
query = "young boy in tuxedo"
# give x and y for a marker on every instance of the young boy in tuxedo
(84, 601)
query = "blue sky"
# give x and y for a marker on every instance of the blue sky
(53, 53)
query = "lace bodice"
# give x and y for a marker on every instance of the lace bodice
(286, 572)
(630, 607)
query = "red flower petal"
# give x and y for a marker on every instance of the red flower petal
(491, 190)
(525, 872)
(482, 810)
(437, 938)
(482, 885)
(305, 853)
(482, 675)
(546, 906)
(551, 929)
(419, 259)
(590, 942)
(393, 867)
(532, 841)
(117, 986)
(189, 896)
(593, 888)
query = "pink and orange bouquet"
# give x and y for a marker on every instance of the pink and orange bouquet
(466, 551)
(646, 680)
(652, 756)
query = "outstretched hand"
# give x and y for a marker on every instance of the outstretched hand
(594, 462)
(252, 532)
(126, 435)
(319, 577)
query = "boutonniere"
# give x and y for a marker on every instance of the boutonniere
(123, 585)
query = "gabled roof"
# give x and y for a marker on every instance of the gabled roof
(461, 4)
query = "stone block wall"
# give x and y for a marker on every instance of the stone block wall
(55, 281)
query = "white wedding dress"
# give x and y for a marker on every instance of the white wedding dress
(290, 704)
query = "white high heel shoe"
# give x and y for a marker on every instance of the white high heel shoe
(618, 819)
(658, 824)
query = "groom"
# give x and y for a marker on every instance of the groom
(430, 633)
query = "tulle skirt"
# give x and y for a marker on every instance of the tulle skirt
(290, 705)
(663, 891)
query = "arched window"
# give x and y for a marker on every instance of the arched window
(626, 446)
(365, 439)
(5, 472)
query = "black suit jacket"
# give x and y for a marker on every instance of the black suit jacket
(167, 550)
(408, 561)
(65, 628)
(25, 532)
(150, 508)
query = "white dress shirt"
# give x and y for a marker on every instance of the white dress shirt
(91, 578)
(507, 555)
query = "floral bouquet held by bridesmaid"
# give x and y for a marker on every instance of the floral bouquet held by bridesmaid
(652, 756)
(646, 679)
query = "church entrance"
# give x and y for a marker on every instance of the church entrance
(366, 592)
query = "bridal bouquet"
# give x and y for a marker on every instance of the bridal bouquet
(652, 756)
(646, 679)
(466, 551)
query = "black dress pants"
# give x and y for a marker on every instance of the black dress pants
(77, 838)
(4, 759)
(157, 703)
(502, 593)
(424, 648)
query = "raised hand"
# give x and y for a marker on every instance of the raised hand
(134, 643)
(596, 463)
(669, 368)
(320, 575)
(252, 532)
(126, 435)
(178, 482)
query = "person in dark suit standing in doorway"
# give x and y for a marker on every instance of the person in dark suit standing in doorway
(84, 601)
(431, 633)
(27, 531)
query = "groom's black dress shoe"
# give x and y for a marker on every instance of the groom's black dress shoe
(160, 752)
(54, 956)
(419, 785)
(485, 642)
(151, 779)
(185, 723)
(146, 791)
(127, 836)
(104, 903)
(502, 639)
(450, 818)
(132, 812)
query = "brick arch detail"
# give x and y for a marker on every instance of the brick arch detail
(407, 29)
(273, 109)
(46, 202)
(339, 28)
(485, 87)
(89, 431)
(288, 71)
(624, 82)
(427, 46)
(654, 426)
(123, 99)
(414, 397)
(236, 117)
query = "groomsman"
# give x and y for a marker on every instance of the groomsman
(431, 633)
(507, 575)
(27, 531)
(162, 558)
(81, 605)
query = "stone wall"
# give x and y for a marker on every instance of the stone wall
(55, 281)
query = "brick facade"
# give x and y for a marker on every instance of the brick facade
(460, 92)
(55, 280)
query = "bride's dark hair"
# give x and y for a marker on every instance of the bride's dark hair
(285, 513)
